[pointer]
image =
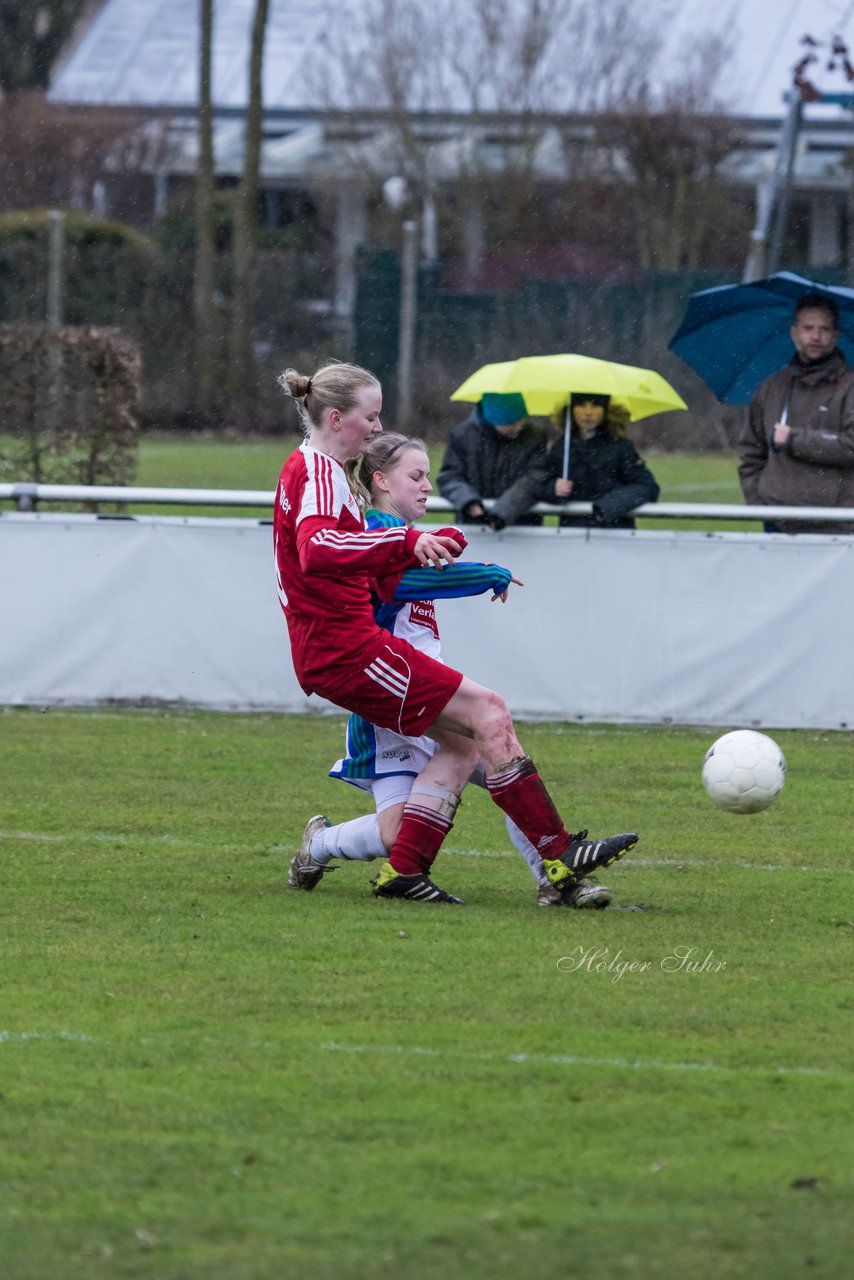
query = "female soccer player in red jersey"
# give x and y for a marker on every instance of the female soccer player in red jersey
(393, 477)
(325, 558)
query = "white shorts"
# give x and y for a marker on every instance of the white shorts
(375, 754)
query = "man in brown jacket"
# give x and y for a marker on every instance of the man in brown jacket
(797, 448)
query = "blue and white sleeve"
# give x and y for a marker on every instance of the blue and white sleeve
(458, 580)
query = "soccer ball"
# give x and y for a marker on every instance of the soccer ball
(744, 771)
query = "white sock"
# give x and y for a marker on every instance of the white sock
(357, 840)
(528, 852)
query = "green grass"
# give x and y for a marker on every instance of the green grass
(202, 463)
(187, 461)
(692, 477)
(255, 464)
(206, 1075)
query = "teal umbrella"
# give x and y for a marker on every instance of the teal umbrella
(736, 335)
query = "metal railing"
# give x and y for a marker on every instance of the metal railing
(27, 496)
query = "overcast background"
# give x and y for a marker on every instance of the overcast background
(768, 45)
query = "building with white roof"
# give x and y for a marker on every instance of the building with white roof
(143, 57)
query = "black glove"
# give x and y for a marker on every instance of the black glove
(496, 522)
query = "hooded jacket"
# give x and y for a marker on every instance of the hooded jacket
(816, 465)
(606, 471)
(480, 463)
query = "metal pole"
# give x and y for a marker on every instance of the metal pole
(55, 267)
(754, 267)
(408, 309)
(567, 432)
(770, 197)
(783, 180)
(55, 311)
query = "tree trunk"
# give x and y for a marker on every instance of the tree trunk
(244, 290)
(203, 284)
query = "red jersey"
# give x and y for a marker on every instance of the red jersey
(324, 557)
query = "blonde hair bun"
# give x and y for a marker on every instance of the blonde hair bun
(298, 385)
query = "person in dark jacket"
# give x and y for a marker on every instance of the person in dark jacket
(605, 468)
(797, 446)
(495, 453)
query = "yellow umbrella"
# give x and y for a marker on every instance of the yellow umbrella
(547, 382)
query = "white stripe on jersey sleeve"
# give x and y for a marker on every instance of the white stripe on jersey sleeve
(341, 540)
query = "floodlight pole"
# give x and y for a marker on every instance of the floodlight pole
(754, 266)
(782, 188)
(774, 197)
(772, 200)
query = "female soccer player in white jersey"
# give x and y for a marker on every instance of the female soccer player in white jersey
(392, 478)
(324, 556)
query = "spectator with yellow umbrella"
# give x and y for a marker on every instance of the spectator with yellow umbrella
(594, 401)
(496, 455)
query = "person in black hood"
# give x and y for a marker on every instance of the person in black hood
(495, 453)
(605, 468)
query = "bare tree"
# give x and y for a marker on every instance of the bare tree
(665, 152)
(244, 267)
(466, 126)
(487, 56)
(203, 283)
(543, 122)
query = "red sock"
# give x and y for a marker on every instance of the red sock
(422, 831)
(520, 791)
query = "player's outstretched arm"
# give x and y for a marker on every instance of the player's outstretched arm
(468, 579)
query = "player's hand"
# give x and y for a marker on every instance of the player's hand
(502, 595)
(451, 531)
(430, 549)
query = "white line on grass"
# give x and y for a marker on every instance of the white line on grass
(18, 1037)
(632, 861)
(513, 1059)
(141, 841)
(569, 1060)
(98, 837)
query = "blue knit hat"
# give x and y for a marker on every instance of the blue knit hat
(499, 410)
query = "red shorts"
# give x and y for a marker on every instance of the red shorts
(400, 688)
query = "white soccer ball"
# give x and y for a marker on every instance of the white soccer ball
(744, 771)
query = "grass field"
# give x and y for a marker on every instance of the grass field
(205, 1075)
(255, 464)
(187, 461)
(197, 462)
